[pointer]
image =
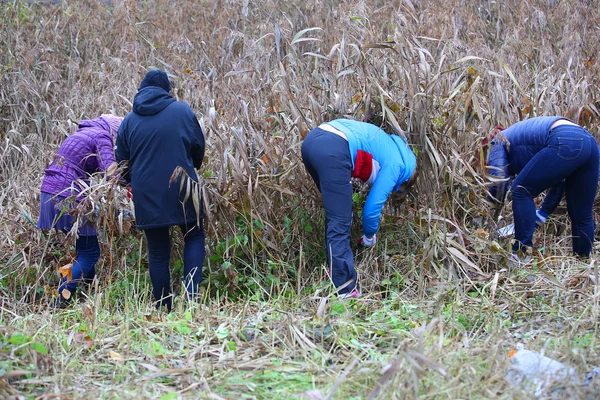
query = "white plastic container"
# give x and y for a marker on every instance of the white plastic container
(537, 373)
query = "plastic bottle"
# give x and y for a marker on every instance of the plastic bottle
(533, 371)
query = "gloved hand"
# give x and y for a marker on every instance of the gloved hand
(367, 242)
(540, 217)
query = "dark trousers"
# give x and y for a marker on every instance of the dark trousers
(159, 254)
(87, 251)
(326, 157)
(553, 198)
(570, 154)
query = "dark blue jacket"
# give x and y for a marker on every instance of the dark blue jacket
(514, 148)
(157, 137)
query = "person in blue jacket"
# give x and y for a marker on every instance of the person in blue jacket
(542, 152)
(160, 135)
(342, 149)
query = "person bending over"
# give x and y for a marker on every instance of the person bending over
(87, 151)
(342, 149)
(540, 153)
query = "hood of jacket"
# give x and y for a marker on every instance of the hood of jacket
(151, 100)
(408, 159)
(96, 123)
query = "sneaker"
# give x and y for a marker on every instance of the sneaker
(353, 294)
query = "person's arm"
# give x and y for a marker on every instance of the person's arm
(552, 200)
(122, 150)
(381, 189)
(498, 167)
(197, 141)
(105, 152)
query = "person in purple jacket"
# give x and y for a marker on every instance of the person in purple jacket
(89, 150)
(542, 153)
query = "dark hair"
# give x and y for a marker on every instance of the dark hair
(413, 178)
(405, 188)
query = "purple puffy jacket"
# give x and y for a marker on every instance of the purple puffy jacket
(90, 149)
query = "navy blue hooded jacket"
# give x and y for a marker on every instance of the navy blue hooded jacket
(514, 148)
(160, 135)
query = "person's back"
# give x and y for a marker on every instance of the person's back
(155, 139)
(526, 138)
(88, 150)
(85, 152)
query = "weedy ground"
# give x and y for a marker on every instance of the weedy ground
(442, 307)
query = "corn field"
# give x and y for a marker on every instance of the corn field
(260, 75)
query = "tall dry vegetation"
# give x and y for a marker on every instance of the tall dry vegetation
(261, 75)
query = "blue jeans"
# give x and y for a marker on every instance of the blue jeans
(326, 157)
(571, 153)
(553, 198)
(87, 254)
(159, 255)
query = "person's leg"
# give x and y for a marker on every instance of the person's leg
(581, 187)
(552, 199)
(307, 150)
(193, 257)
(87, 251)
(330, 158)
(159, 254)
(531, 181)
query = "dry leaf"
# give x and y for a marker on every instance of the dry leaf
(66, 294)
(88, 313)
(83, 339)
(356, 98)
(112, 169)
(115, 356)
(66, 271)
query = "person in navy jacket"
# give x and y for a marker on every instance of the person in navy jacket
(342, 149)
(543, 153)
(160, 135)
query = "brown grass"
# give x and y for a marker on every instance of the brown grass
(261, 76)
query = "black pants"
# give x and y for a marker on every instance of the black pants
(159, 255)
(326, 157)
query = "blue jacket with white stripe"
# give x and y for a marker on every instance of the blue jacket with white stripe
(396, 160)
